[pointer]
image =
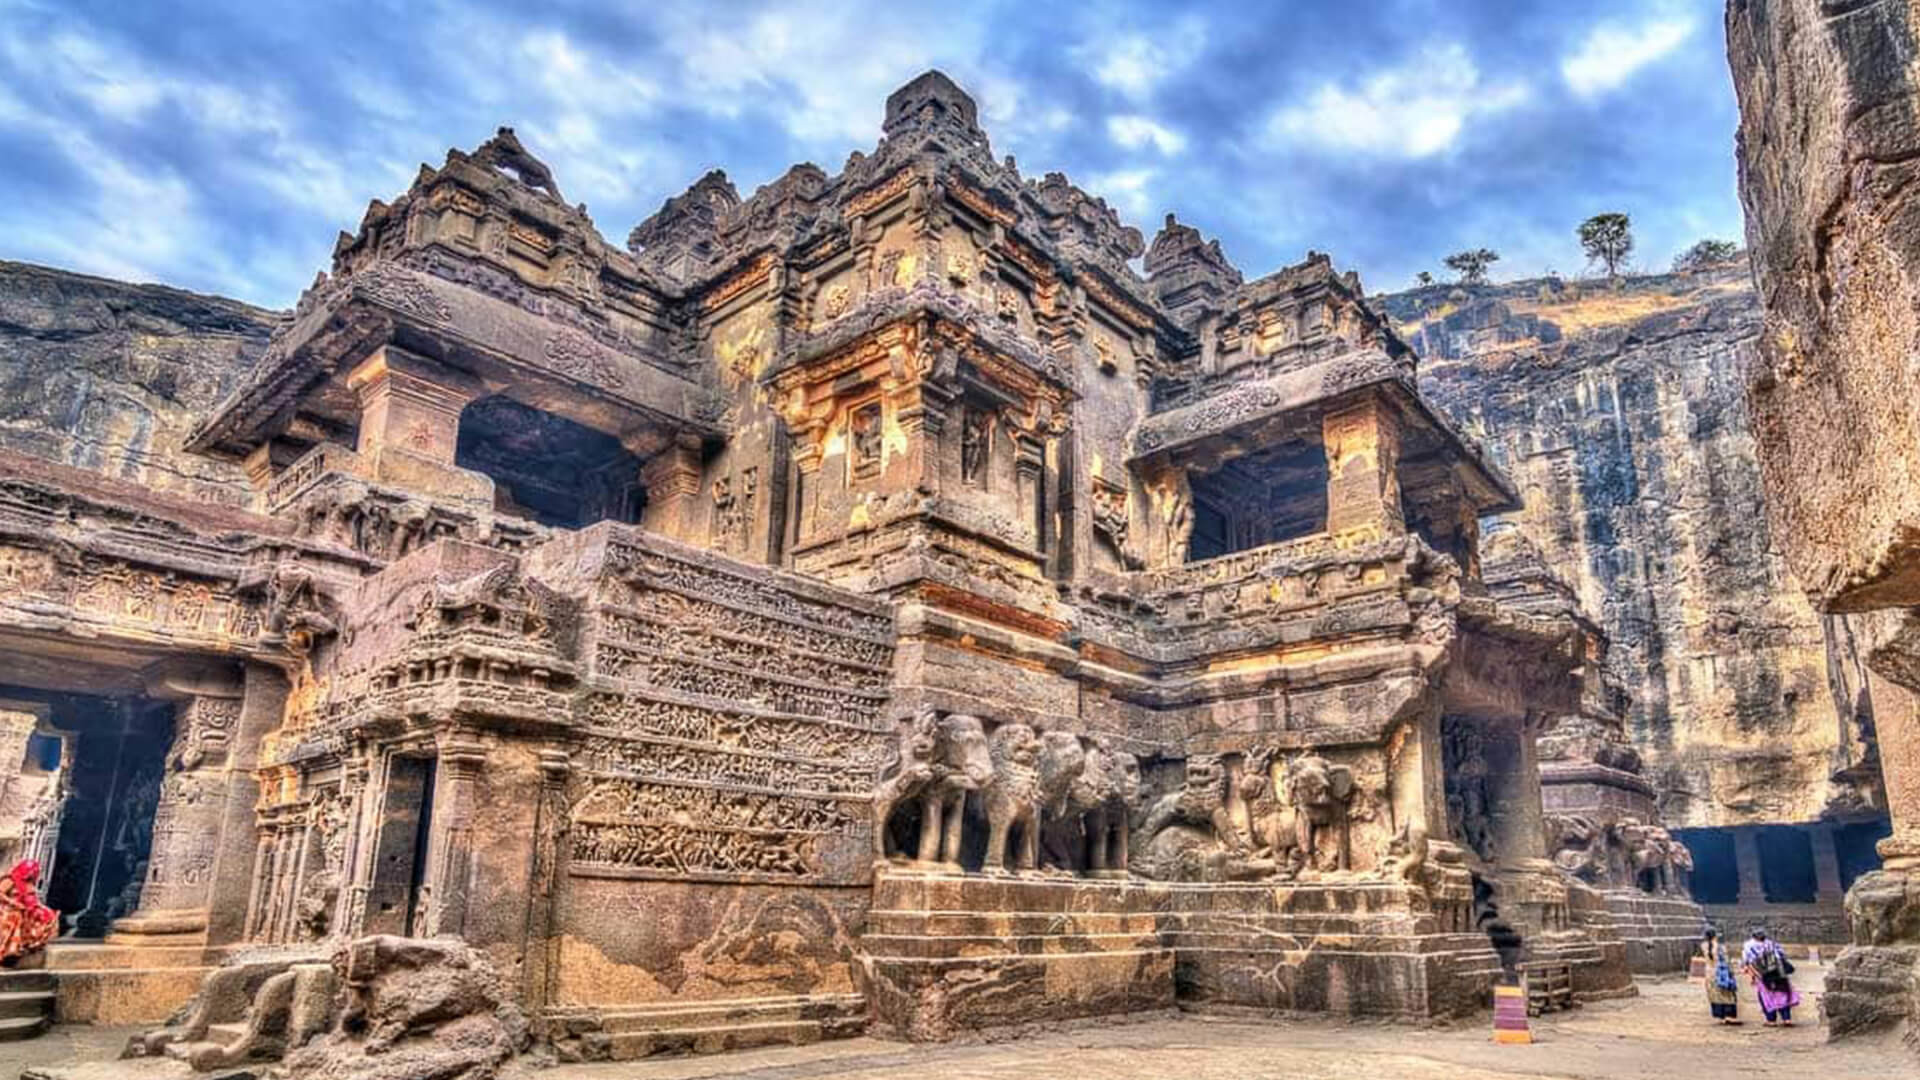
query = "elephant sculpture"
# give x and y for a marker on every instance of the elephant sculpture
(1013, 799)
(906, 778)
(1649, 855)
(1578, 846)
(1091, 833)
(957, 763)
(1318, 797)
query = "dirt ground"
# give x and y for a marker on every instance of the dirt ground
(1663, 1034)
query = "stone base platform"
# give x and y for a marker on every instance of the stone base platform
(1661, 932)
(126, 984)
(945, 954)
(704, 1027)
(950, 953)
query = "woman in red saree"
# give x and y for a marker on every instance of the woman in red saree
(26, 924)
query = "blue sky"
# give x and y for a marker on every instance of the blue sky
(220, 146)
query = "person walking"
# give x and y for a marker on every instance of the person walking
(1767, 965)
(1723, 990)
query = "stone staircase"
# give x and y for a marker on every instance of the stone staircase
(26, 1004)
(707, 1027)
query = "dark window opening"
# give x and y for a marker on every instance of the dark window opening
(1270, 497)
(548, 468)
(43, 752)
(1786, 865)
(1854, 845)
(1716, 869)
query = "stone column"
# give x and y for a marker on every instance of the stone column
(176, 898)
(1363, 460)
(1826, 864)
(1746, 861)
(410, 427)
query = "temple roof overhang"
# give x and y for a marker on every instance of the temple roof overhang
(549, 364)
(1252, 410)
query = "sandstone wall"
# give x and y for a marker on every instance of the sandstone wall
(1619, 414)
(109, 377)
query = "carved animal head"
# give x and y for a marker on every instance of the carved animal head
(1014, 744)
(1063, 764)
(964, 751)
(1314, 781)
(1123, 770)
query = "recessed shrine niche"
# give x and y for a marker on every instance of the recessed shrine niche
(547, 468)
(1268, 497)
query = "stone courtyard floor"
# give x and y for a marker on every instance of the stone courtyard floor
(1661, 1035)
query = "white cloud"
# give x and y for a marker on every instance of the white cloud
(1415, 110)
(1134, 63)
(1134, 132)
(1611, 53)
(1129, 190)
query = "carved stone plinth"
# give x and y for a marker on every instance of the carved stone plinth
(1875, 983)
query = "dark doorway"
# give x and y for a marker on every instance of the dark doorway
(1854, 844)
(111, 752)
(1716, 871)
(400, 853)
(1786, 865)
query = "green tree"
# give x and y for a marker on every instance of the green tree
(1423, 279)
(1608, 239)
(1472, 265)
(1706, 253)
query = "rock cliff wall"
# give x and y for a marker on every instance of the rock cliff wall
(1619, 414)
(109, 376)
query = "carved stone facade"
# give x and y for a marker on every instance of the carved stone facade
(870, 602)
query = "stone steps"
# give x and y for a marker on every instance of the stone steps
(930, 947)
(27, 1000)
(709, 1027)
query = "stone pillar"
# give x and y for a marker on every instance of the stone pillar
(262, 708)
(1826, 864)
(177, 896)
(1746, 860)
(1363, 460)
(672, 477)
(410, 426)
(450, 873)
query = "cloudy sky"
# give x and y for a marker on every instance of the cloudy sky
(220, 146)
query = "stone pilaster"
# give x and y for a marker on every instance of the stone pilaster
(1363, 460)
(1826, 863)
(550, 824)
(672, 477)
(450, 876)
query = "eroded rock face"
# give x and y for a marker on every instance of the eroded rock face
(109, 376)
(1619, 414)
(415, 1009)
(1829, 132)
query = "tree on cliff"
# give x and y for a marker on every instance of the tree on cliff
(1607, 238)
(1423, 279)
(1472, 265)
(1706, 253)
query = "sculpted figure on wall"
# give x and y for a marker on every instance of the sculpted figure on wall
(1098, 806)
(905, 779)
(1189, 833)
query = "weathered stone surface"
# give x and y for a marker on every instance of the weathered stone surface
(110, 377)
(1829, 153)
(1829, 132)
(1619, 412)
